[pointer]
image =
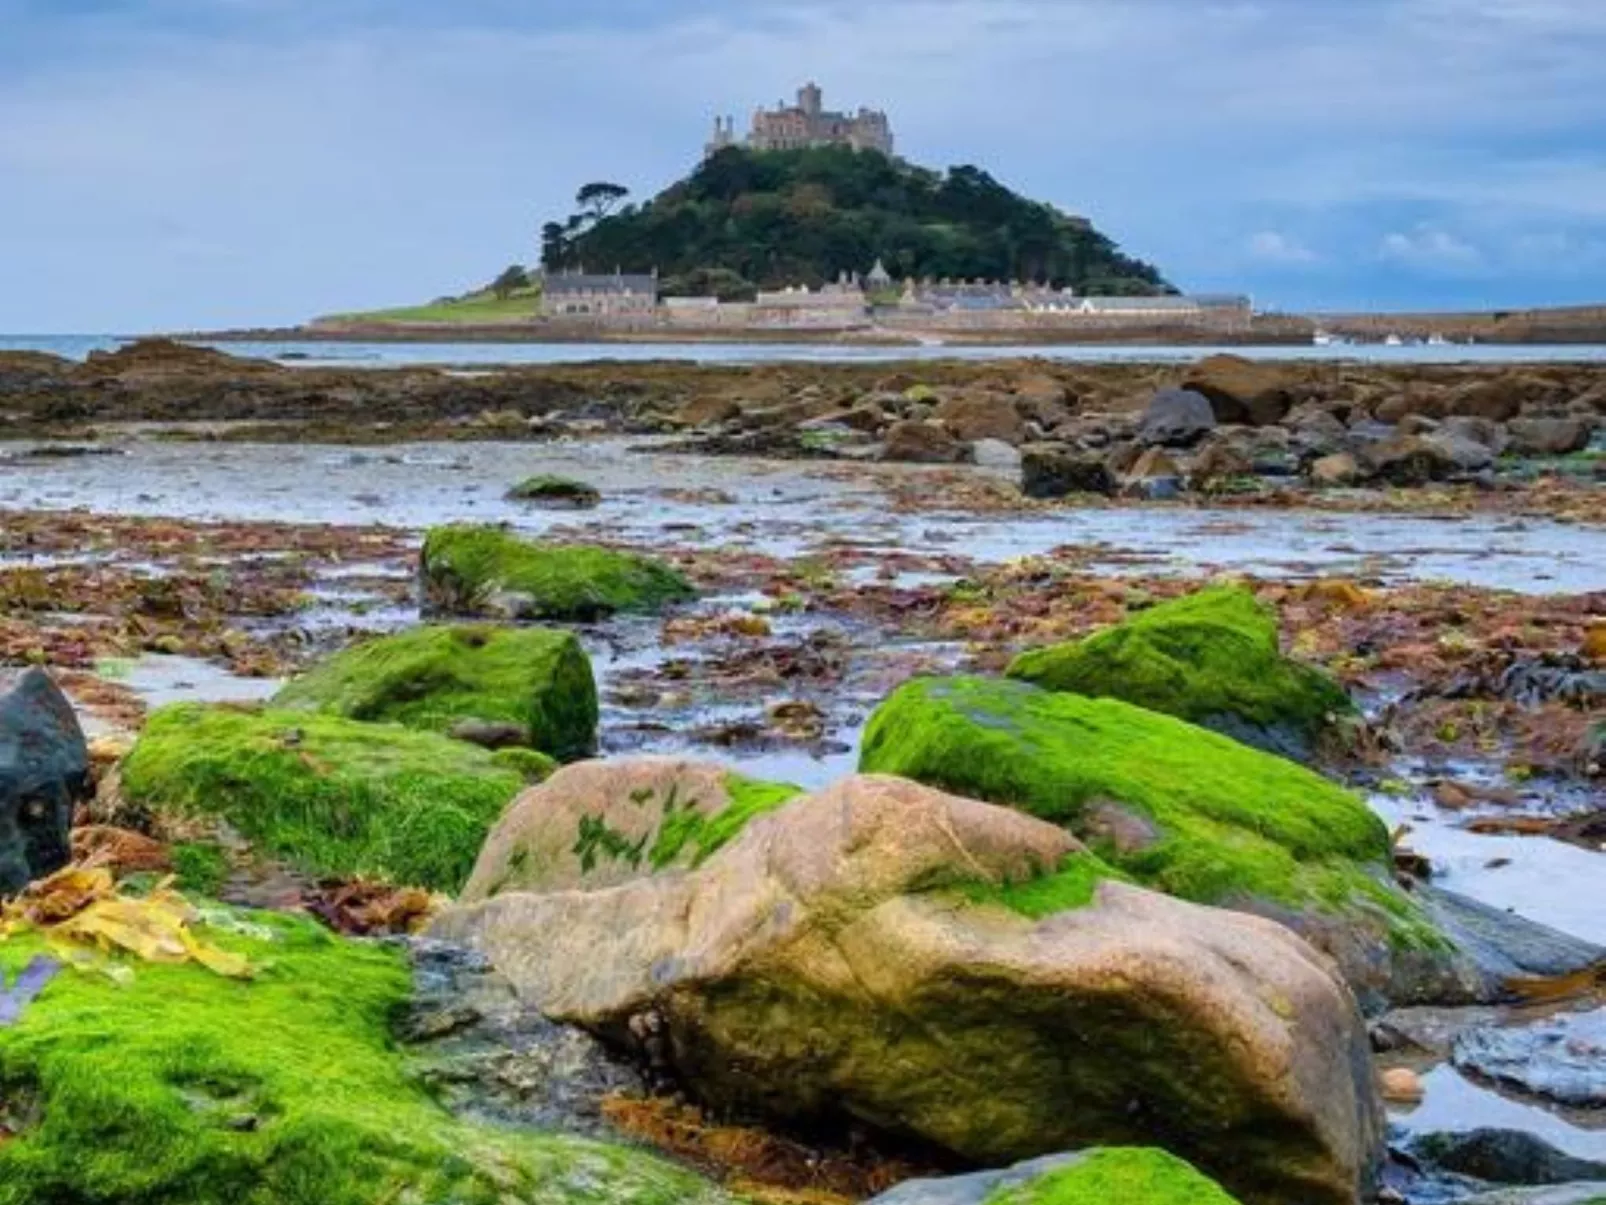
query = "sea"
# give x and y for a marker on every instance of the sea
(317, 353)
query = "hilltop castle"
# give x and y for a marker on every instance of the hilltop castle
(807, 123)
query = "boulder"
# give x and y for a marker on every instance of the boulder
(1316, 431)
(288, 1088)
(1410, 460)
(896, 956)
(1498, 399)
(1211, 658)
(1503, 1157)
(1055, 470)
(1177, 418)
(1478, 430)
(1230, 825)
(709, 410)
(1562, 1060)
(1466, 454)
(1565, 1194)
(922, 442)
(1218, 462)
(1548, 436)
(997, 455)
(972, 416)
(1113, 1176)
(558, 492)
(441, 678)
(1243, 391)
(488, 571)
(1155, 474)
(44, 775)
(334, 797)
(602, 823)
(1335, 471)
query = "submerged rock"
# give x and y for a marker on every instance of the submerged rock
(939, 968)
(472, 570)
(1503, 1157)
(332, 796)
(289, 1087)
(1211, 658)
(1562, 1060)
(548, 490)
(603, 823)
(1116, 1176)
(440, 678)
(44, 774)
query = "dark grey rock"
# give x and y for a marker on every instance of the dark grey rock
(1177, 418)
(1502, 946)
(488, 1057)
(1562, 1059)
(975, 1188)
(491, 734)
(1054, 470)
(1548, 436)
(1569, 1194)
(44, 774)
(1502, 1157)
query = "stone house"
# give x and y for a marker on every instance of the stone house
(581, 294)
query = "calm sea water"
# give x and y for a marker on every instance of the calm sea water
(389, 355)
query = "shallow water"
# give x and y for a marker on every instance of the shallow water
(1455, 1105)
(786, 509)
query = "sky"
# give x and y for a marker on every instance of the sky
(188, 164)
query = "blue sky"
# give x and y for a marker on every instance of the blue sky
(200, 163)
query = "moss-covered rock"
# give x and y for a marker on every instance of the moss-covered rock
(330, 795)
(440, 677)
(477, 570)
(1168, 804)
(549, 490)
(189, 1089)
(599, 824)
(1210, 658)
(1110, 1176)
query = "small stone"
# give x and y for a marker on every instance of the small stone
(1402, 1086)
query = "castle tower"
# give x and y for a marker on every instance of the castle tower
(810, 99)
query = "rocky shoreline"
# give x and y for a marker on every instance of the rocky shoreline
(730, 829)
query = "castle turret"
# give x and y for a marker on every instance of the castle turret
(810, 99)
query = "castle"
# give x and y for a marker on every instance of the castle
(807, 123)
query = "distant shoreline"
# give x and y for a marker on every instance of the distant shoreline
(1552, 325)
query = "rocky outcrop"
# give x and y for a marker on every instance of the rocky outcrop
(441, 678)
(599, 824)
(1177, 418)
(44, 774)
(877, 951)
(1057, 471)
(1243, 391)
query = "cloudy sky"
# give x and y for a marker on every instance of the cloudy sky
(200, 163)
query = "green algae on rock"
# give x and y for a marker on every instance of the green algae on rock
(549, 490)
(478, 570)
(440, 677)
(1131, 1176)
(1210, 658)
(599, 824)
(1173, 806)
(332, 796)
(189, 1089)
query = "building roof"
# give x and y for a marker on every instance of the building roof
(561, 283)
(1138, 304)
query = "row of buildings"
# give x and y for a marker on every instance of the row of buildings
(875, 299)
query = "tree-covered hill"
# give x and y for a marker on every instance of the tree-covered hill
(765, 219)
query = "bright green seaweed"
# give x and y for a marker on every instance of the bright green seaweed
(436, 677)
(1118, 1176)
(333, 796)
(189, 1089)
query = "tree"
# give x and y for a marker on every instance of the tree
(597, 200)
(512, 277)
(554, 246)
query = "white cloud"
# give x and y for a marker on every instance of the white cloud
(1274, 247)
(1430, 249)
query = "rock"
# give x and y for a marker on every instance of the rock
(1467, 455)
(1243, 391)
(476, 570)
(1055, 471)
(1498, 399)
(1478, 430)
(438, 678)
(1402, 1086)
(1154, 475)
(1211, 658)
(709, 411)
(1495, 946)
(487, 1056)
(858, 953)
(599, 824)
(1570, 1194)
(1240, 828)
(919, 442)
(292, 1088)
(44, 774)
(1548, 436)
(972, 416)
(1177, 418)
(334, 797)
(547, 490)
(996, 455)
(1503, 1157)
(1410, 460)
(489, 734)
(1217, 463)
(1563, 1059)
(1335, 471)
(1113, 1176)
(1316, 431)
